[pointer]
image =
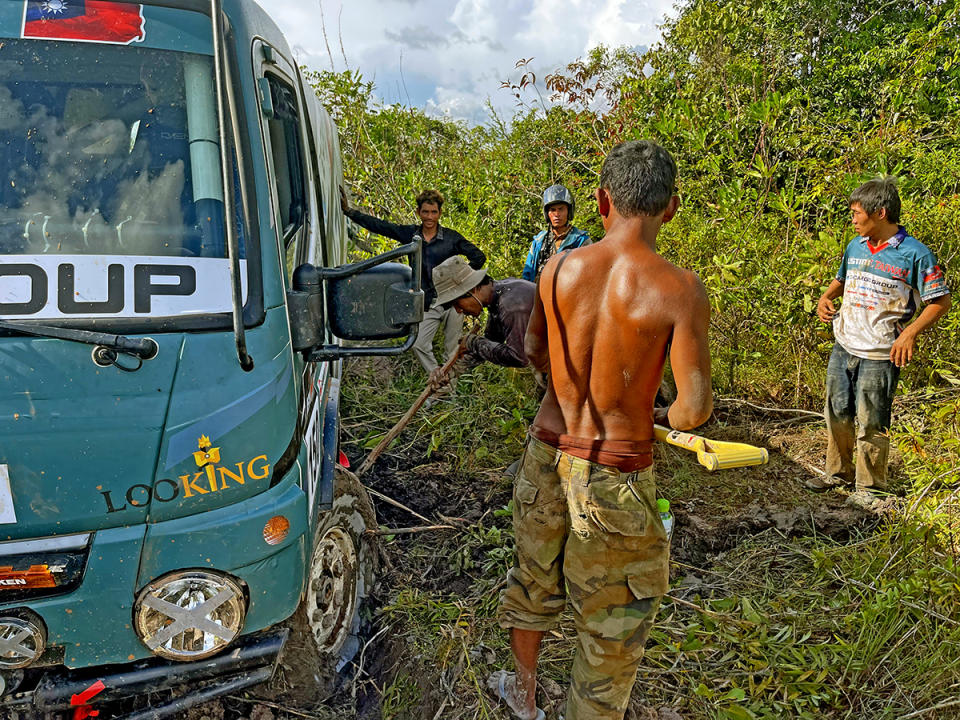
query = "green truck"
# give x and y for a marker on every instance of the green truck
(175, 308)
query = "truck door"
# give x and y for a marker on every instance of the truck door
(298, 223)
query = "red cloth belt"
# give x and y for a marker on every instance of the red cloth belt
(624, 455)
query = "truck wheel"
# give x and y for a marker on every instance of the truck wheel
(342, 572)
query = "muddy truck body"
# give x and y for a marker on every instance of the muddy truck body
(175, 308)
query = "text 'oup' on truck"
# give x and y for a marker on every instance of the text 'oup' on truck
(174, 311)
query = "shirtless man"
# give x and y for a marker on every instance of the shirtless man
(585, 512)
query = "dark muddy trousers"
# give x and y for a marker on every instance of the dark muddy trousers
(859, 397)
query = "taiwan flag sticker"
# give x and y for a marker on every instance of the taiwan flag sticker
(99, 21)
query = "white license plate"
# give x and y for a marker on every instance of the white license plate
(8, 515)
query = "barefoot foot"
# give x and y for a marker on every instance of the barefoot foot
(503, 684)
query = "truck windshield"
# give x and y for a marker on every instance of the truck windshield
(108, 150)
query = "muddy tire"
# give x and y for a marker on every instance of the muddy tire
(325, 631)
(342, 572)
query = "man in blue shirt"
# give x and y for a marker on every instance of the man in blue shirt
(560, 236)
(884, 276)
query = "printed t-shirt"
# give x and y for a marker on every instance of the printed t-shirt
(882, 289)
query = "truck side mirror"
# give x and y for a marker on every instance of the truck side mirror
(375, 305)
(305, 306)
(375, 299)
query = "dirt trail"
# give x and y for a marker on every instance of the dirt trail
(723, 511)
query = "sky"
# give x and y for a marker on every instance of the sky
(450, 56)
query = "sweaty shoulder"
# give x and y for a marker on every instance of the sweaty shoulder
(680, 289)
(691, 288)
(688, 280)
(568, 268)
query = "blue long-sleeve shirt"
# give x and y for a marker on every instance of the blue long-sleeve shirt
(540, 251)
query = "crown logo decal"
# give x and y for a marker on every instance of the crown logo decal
(207, 456)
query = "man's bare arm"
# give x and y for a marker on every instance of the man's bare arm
(902, 351)
(690, 361)
(535, 341)
(825, 307)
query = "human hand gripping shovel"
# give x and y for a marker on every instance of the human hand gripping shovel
(437, 380)
(713, 454)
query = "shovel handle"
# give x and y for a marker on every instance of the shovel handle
(685, 440)
(404, 421)
(714, 454)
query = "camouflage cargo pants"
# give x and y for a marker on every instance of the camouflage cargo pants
(591, 534)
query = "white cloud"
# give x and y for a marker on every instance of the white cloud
(619, 23)
(456, 104)
(490, 18)
(450, 56)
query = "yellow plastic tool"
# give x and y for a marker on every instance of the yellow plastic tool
(714, 454)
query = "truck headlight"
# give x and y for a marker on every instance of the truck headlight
(189, 615)
(21, 642)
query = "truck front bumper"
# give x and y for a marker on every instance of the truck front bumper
(252, 659)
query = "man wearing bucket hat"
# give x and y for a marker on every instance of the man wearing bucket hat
(560, 235)
(508, 303)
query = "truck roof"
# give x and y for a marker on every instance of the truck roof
(257, 21)
(246, 14)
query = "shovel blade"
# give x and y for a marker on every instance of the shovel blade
(727, 455)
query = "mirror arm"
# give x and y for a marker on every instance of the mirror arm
(335, 352)
(345, 271)
(226, 166)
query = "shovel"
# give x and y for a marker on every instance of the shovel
(714, 454)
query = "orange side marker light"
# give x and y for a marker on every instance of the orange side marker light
(276, 530)
(37, 576)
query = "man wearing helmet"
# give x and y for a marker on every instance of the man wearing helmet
(560, 235)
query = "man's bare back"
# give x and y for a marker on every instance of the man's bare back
(585, 510)
(604, 318)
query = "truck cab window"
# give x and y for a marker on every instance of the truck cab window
(109, 150)
(286, 148)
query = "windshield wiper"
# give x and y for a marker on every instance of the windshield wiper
(107, 348)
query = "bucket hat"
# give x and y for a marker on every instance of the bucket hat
(454, 277)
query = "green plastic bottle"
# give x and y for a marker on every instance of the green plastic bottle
(666, 517)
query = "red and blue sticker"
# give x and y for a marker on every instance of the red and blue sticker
(933, 280)
(100, 21)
